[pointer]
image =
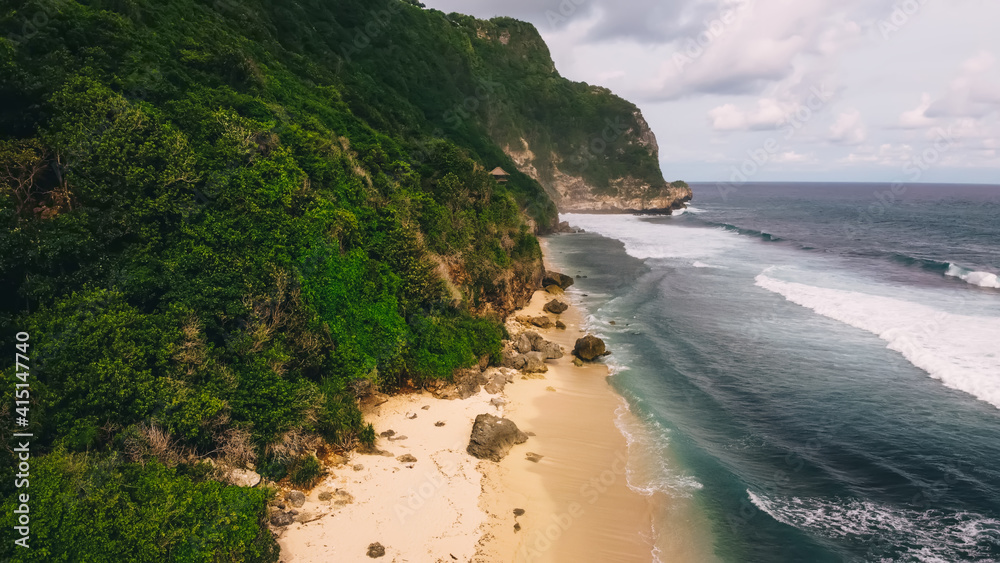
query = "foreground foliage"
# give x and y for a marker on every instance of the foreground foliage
(138, 513)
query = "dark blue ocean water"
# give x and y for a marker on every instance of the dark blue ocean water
(816, 367)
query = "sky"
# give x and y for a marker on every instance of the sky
(790, 90)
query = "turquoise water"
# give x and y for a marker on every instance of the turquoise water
(817, 367)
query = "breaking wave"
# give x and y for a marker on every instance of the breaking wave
(960, 351)
(982, 279)
(893, 534)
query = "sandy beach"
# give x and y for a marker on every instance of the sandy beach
(577, 503)
(427, 510)
(571, 498)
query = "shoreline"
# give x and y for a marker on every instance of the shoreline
(578, 505)
(449, 506)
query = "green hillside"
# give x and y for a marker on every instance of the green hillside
(223, 218)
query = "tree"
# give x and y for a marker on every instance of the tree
(22, 167)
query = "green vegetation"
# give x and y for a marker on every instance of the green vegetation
(591, 130)
(219, 218)
(102, 510)
(307, 472)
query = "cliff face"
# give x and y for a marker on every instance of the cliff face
(631, 195)
(590, 150)
(573, 193)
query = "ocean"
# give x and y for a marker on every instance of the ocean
(815, 367)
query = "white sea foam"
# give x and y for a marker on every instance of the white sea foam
(700, 264)
(592, 325)
(649, 468)
(684, 210)
(646, 239)
(927, 536)
(962, 351)
(982, 279)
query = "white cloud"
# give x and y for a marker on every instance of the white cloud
(769, 114)
(728, 118)
(849, 129)
(760, 43)
(886, 154)
(980, 63)
(973, 93)
(792, 157)
(916, 118)
(964, 129)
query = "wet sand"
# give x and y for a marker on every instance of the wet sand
(577, 503)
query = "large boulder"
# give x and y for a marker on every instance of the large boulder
(533, 339)
(524, 343)
(541, 321)
(555, 307)
(281, 518)
(513, 359)
(555, 278)
(589, 348)
(296, 498)
(467, 382)
(492, 437)
(564, 227)
(242, 477)
(498, 380)
(549, 350)
(534, 363)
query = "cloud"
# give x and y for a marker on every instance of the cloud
(848, 129)
(973, 93)
(750, 45)
(886, 154)
(649, 21)
(916, 118)
(788, 157)
(769, 114)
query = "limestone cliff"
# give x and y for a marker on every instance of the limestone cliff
(591, 150)
(573, 192)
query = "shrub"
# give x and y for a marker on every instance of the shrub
(306, 472)
(449, 342)
(103, 510)
(367, 436)
(101, 360)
